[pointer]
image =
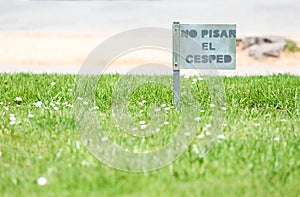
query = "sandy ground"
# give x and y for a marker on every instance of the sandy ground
(19, 50)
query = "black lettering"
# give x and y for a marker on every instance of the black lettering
(185, 33)
(224, 34)
(216, 33)
(211, 47)
(205, 46)
(204, 59)
(232, 34)
(211, 58)
(227, 58)
(189, 59)
(193, 33)
(204, 33)
(197, 58)
(220, 58)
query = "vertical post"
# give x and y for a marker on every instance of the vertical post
(176, 68)
(176, 76)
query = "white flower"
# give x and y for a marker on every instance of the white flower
(144, 101)
(142, 122)
(200, 79)
(11, 115)
(42, 181)
(200, 136)
(0, 153)
(166, 123)
(197, 119)
(79, 98)
(208, 126)
(167, 108)
(30, 115)
(212, 105)
(276, 139)
(163, 105)
(194, 80)
(96, 108)
(70, 90)
(202, 111)
(157, 129)
(283, 120)
(77, 144)
(52, 104)
(196, 149)
(223, 108)
(141, 104)
(157, 109)
(187, 133)
(143, 126)
(1, 103)
(193, 83)
(85, 163)
(53, 83)
(12, 118)
(6, 108)
(18, 98)
(69, 105)
(55, 108)
(221, 136)
(12, 122)
(208, 133)
(104, 139)
(257, 124)
(39, 104)
(85, 103)
(203, 152)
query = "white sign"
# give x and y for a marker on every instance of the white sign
(204, 46)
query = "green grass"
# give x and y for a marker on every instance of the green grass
(249, 162)
(291, 46)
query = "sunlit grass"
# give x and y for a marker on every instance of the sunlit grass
(258, 153)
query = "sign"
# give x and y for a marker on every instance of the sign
(204, 46)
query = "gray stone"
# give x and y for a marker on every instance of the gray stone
(266, 50)
(248, 42)
(260, 47)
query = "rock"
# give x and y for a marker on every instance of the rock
(266, 50)
(260, 47)
(248, 42)
(272, 39)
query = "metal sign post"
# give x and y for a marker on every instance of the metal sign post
(202, 46)
(176, 69)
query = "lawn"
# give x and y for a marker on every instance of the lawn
(258, 153)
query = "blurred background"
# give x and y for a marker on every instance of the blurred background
(57, 35)
(96, 16)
